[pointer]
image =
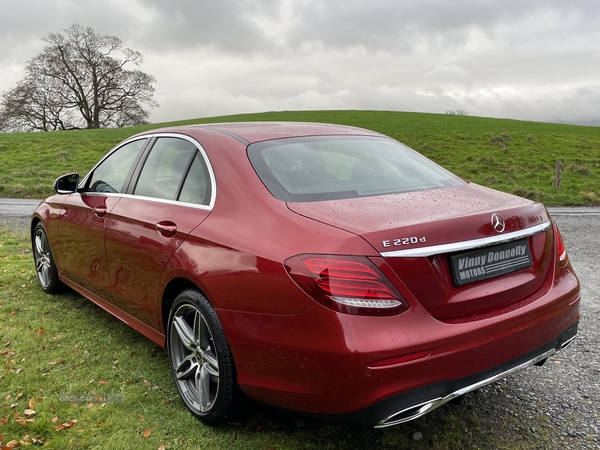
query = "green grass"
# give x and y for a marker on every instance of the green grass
(72, 376)
(512, 156)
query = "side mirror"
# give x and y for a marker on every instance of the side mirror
(67, 184)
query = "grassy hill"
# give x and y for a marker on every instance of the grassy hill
(513, 156)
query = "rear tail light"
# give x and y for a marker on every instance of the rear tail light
(348, 284)
(561, 250)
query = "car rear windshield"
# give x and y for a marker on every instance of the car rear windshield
(334, 167)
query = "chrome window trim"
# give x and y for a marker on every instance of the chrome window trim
(99, 194)
(211, 174)
(170, 202)
(150, 136)
(142, 197)
(467, 245)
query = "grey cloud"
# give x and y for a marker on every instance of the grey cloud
(23, 23)
(534, 60)
(223, 24)
(383, 24)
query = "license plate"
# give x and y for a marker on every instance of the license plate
(476, 265)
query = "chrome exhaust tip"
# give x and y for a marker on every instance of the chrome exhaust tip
(416, 411)
(410, 413)
(566, 343)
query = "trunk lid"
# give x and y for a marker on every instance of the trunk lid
(441, 243)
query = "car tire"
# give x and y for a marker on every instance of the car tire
(45, 268)
(200, 359)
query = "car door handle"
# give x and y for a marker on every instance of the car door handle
(166, 228)
(100, 211)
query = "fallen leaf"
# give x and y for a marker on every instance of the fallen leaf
(147, 433)
(41, 332)
(32, 403)
(161, 447)
(70, 424)
(55, 419)
(29, 412)
(103, 381)
(147, 383)
(166, 402)
(3, 420)
(12, 444)
(14, 405)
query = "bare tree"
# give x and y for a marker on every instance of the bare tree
(458, 112)
(79, 81)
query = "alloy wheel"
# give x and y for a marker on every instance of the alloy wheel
(194, 358)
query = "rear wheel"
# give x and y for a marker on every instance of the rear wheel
(200, 359)
(45, 267)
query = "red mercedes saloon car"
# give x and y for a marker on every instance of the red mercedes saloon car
(324, 269)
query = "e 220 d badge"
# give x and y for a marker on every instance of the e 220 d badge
(403, 241)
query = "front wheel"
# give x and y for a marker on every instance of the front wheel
(200, 359)
(45, 267)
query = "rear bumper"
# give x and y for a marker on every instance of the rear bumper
(345, 368)
(414, 404)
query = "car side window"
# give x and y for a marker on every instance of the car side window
(165, 167)
(196, 187)
(111, 173)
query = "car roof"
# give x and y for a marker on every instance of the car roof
(250, 132)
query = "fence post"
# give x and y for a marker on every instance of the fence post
(558, 173)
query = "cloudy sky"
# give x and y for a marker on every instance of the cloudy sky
(520, 59)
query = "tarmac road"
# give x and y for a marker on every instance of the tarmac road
(557, 406)
(16, 212)
(17, 206)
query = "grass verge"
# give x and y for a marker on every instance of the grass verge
(512, 156)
